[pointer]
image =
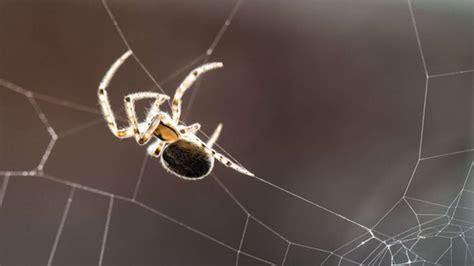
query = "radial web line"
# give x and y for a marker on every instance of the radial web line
(13, 87)
(418, 39)
(462, 189)
(226, 190)
(3, 189)
(81, 127)
(451, 73)
(61, 226)
(182, 69)
(324, 251)
(48, 127)
(242, 240)
(211, 50)
(311, 203)
(270, 229)
(140, 176)
(446, 154)
(127, 44)
(286, 254)
(343, 246)
(106, 230)
(253, 217)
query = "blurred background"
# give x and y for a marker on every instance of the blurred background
(325, 101)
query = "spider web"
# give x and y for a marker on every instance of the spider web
(128, 224)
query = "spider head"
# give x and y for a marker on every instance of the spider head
(187, 160)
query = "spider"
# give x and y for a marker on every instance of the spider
(180, 151)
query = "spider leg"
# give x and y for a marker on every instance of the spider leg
(187, 83)
(155, 148)
(224, 160)
(190, 129)
(227, 162)
(155, 106)
(212, 140)
(104, 99)
(153, 115)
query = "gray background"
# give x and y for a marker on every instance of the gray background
(322, 98)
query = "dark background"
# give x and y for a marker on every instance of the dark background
(322, 98)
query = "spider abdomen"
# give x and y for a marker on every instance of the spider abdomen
(187, 159)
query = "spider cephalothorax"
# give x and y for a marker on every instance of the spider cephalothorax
(182, 152)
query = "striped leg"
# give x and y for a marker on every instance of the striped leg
(224, 160)
(190, 129)
(155, 106)
(227, 162)
(155, 148)
(187, 83)
(104, 99)
(155, 117)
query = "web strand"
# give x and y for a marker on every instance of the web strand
(127, 44)
(140, 176)
(106, 230)
(3, 189)
(211, 50)
(61, 225)
(242, 240)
